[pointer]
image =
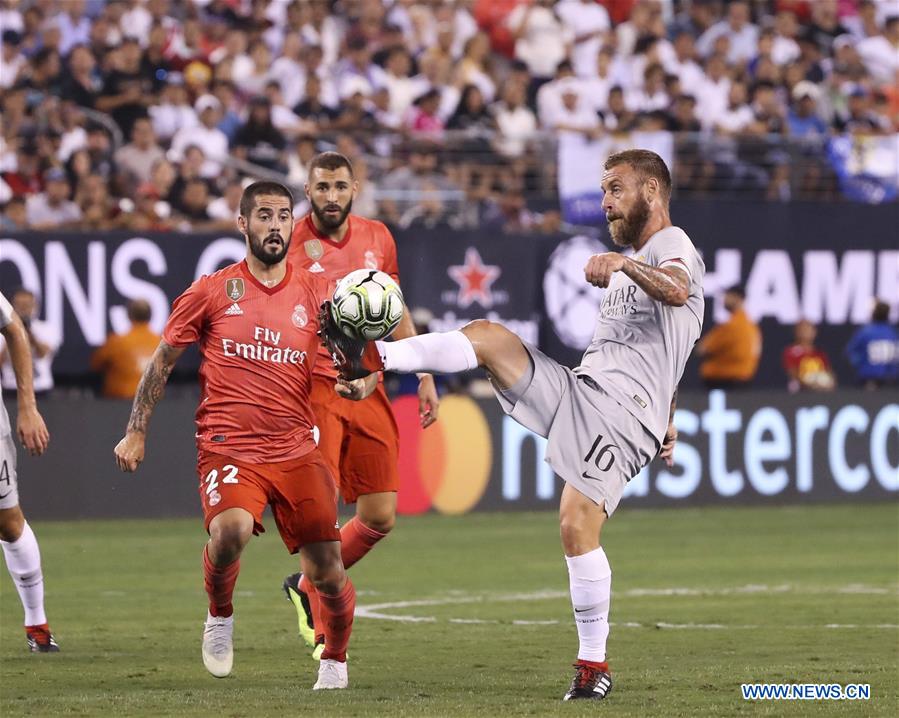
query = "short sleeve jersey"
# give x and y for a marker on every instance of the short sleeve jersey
(368, 244)
(6, 315)
(640, 345)
(258, 345)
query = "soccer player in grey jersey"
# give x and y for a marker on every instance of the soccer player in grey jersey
(607, 418)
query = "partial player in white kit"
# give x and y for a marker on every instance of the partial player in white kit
(20, 549)
(607, 418)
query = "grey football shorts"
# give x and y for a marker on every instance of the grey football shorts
(9, 488)
(594, 444)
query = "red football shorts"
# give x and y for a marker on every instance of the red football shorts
(301, 493)
(359, 440)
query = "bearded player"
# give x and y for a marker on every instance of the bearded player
(606, 419)
(358, 439)
(256, 327)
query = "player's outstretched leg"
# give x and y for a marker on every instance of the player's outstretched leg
(337, 604)
(229, 533)
(23, 561)
(590, 583)
(480, 343)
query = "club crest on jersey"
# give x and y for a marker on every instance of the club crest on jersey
(214, 498)
(371, 261)
(299, 317)
(234, 288)
(314, 249)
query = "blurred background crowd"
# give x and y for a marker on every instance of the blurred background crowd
(150, 114)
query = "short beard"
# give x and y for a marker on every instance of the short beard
(626, 231)
(269, 259)
(328, 223)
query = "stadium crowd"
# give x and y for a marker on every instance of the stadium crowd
(150, 114)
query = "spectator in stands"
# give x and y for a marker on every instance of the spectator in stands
(98, 210)
(873, 350)
(193, 203)
(807, 366)
(206, 135)
(515, 121)
(423, 119)
(74, 26)
(472, 119)
(587, 23)
(741, 33)
(404, 183)
(227, 207)
(880, 52)
(858, 118)
(305, 148)
(81, 81)
(12, 59)
(313, 108)
(731, 351)
(542, 40)
(825, 25)
(225, 92)
(42, 337)
(52, 208)
(14, 217)
(25, 179)
(123, 357)
(174, 111)
(474, 67)
(135, 160)
(803, 120)
(128, 89)
(259, 141)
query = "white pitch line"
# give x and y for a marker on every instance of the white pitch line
(453, 598)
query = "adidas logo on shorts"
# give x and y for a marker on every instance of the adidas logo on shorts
(233, 310)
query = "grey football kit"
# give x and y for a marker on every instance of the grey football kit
(606, 419)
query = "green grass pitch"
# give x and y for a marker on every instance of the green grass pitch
(703, 600)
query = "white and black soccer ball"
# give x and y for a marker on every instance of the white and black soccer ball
(367, 304)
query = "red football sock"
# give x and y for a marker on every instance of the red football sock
(337, 621)
(603, 666)
(356, 540)
(315, 606)
(220, 582)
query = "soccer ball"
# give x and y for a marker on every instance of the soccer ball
(367, 304)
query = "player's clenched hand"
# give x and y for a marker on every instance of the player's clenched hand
(667, 452)
(601, 267)
(32, 431)
(129, 452)
(428, 400)
(357, 389)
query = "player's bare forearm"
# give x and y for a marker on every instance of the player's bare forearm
(152, 386)
(670, 285)
(20, 356)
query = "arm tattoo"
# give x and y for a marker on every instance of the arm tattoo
(152, 386)
(670, 285)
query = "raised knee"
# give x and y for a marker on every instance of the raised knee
(382, 522)
(330, 578)
(576, 540)
(231, 538)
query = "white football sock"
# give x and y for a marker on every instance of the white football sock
(23, 560)
(437, 353)
(590, 581)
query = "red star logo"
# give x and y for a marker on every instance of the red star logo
(474, 279)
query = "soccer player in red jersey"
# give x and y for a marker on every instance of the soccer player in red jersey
(255, 322)
(359, 439)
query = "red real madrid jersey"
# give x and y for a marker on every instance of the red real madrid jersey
(258, 346)
(368, 244)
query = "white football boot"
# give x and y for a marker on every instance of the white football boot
(218, 646)
(331, 674)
